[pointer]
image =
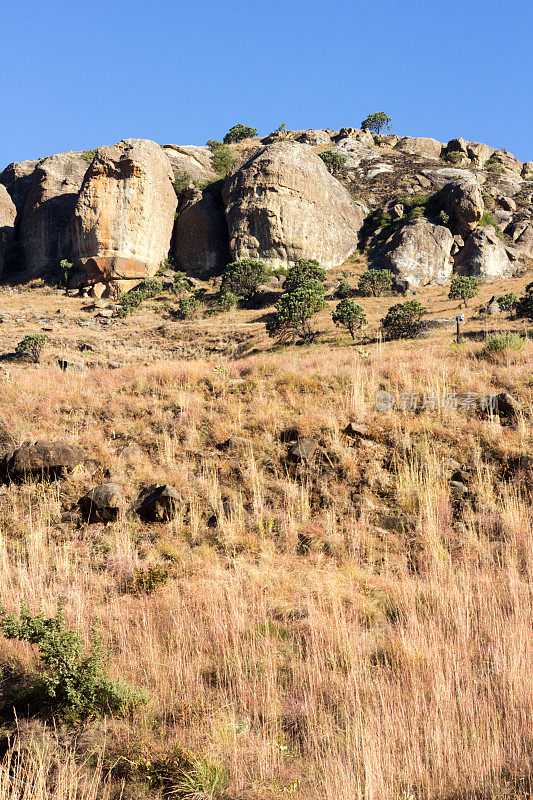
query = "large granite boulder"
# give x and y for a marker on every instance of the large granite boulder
(282, 204)
(355, 151)
(124, 215)
(419, 253)
(419, 146)
(462, 200)
(17, 178)
(484, 256)
(479, 153)
(8, 215)
(44, 229)
(522, 236)
(192, 161)
(200, 244)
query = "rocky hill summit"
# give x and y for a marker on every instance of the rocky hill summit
(419, 207)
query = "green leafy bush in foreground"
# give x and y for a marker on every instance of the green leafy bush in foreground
(498, 342)
(71, 681)
(350, 316)
(403, 320)
(31, 347)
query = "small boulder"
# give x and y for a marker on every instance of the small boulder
(419, 146)
(506, 407)
(303, 450)
(102, 504)
(44, 460)
(156, 503)
(357, 430)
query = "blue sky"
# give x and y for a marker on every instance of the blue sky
(78, 75)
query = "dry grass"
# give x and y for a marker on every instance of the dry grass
(306, 645)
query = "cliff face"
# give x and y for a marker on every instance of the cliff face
(119, 216)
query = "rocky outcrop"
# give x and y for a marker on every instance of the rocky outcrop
(484, 256)
(282, 205)
(8, 215)
(479, 153)
(527, 171)
(43, 460)
(44, 229)
(355, 151)
(200, 245)
(17, 178)
(419, 253)
(316, 138)
(124, 215)
(192, 161)
(522, 236)
(420, 146)
(462, 200)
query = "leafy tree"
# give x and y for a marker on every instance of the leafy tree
(222, 158)
(31, 347)
(239, 132)
(374, 282)
(507, 302)
(350, 316)
(73, 682)
(335, 162)
(402, 321)
(376, 122)
(463, 287)
(294, 312)
(243, 277)
(65, 271)
(524, 307)
(304, 270)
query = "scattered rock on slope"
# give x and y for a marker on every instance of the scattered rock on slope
(102, 504)
(43, 460)
(124, 215)
(419, 253)
(282, 205)
(156, 503)
(44, 229)
(420, 146)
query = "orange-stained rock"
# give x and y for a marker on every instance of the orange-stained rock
(123, 219)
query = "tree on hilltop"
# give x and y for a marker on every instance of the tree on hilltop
(376, 122)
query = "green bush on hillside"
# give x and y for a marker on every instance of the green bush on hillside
(335, 162)
(350, 316)
(463, 288)
(374, 282)
(403, 320)
(31, 347)
(243, 277)
(239, 132)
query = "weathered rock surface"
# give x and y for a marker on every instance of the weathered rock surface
(17, 178)
(156, 503)
(200, 245)
(44, 229)
(191, 160)
(522, 236)
(420, 146)
(124, 215)
(102, 504)
(484, 256)
(355, 151)
(43, 460)
(479, 153)
(303, 450)
(419, 253)
(8, 215)
(527, 171)
(282, 205)
(463, 202)
(316, 138)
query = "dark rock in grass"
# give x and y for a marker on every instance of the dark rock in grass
(156, 503)
(43, 460)
(102, 504)
(303, 450)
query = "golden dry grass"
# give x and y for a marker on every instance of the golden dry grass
(305, 645)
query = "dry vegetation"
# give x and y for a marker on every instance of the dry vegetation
(339, 630)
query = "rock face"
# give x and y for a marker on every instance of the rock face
(200, 245)
(524, 242)
(282, 205)
(419, 253)
(192, 161)
(420, 146)
(8, 215)
(484, 256)
(17, 178)
(355, 151)
(124, 215)
(44, 230)
(463, 202)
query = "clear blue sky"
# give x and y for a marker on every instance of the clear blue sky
(76, 75)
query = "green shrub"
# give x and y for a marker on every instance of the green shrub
(443, 218)
(487, 219)
(239, 132)
(181, 182)
(335, 162)
(295, 310)
(463, 287)
(227, 301)
(507, 302)
(350, 316)
(150, 287)
(243, 277)
(222, 158)
(88, 155)
(304, 270)
(374, 282)
(496, 343)
(454, 157)
(65, 271)
(376, 122)
(145, 290)
(31, 347)
(345, 289)
(180, 284)
(494, 164)
(403, 320)
(188, 307)
(524, 306)
(146, 580)
(72, 682)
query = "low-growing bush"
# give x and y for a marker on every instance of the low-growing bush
(350, 316)
(304, 270)
(243, 277)
(335, 162)
(374, 282)
(31, 347)
(403, 320)
(463, 287)
(227, 301)
(345, 289)
(239, 132)
(146, 580)
(69, 680)
(295, 310)
(499, 342)
(88, 155)
(188, 307)
(222, 158)
(507, 302)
